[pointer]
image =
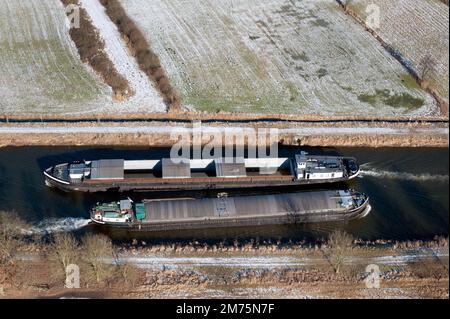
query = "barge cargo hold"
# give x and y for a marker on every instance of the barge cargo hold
(184, 174)
(178, 214)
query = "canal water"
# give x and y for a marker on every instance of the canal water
(408, 189)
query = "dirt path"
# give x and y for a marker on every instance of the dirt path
(129, 129)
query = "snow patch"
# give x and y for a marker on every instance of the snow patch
(158, 262)
(135, 129)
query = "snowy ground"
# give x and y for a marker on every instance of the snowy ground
(276, 56)
(40, 67)
(416, 28)
(265, 261)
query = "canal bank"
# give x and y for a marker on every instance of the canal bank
(256, 269)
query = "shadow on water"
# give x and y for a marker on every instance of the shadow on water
(405, 205)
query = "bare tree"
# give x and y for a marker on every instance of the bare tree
(98, 254)
(11, 235)
(340, 244)
(64, 252)
(128, 273)
(427, 66)
(11, 238)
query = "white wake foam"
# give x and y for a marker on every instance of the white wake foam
(403, 176)
(58, 225)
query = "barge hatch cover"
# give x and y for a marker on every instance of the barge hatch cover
(171, 169)
(244, 207)
(230, 168)
(107, 169)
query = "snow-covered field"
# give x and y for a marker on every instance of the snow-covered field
(277, 56)
(40, 69)
(270, 56)
(415, 28)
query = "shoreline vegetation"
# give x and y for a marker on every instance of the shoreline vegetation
(33, 266)
(156, 140)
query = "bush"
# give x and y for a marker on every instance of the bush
(339, 247)
(64, 251)
(128, 274)
(98, 254)
(11, 239)
(429, 268)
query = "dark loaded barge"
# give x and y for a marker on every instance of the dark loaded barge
(199, 174)
(224, 211)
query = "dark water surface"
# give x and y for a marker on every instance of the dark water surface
(408, 190)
